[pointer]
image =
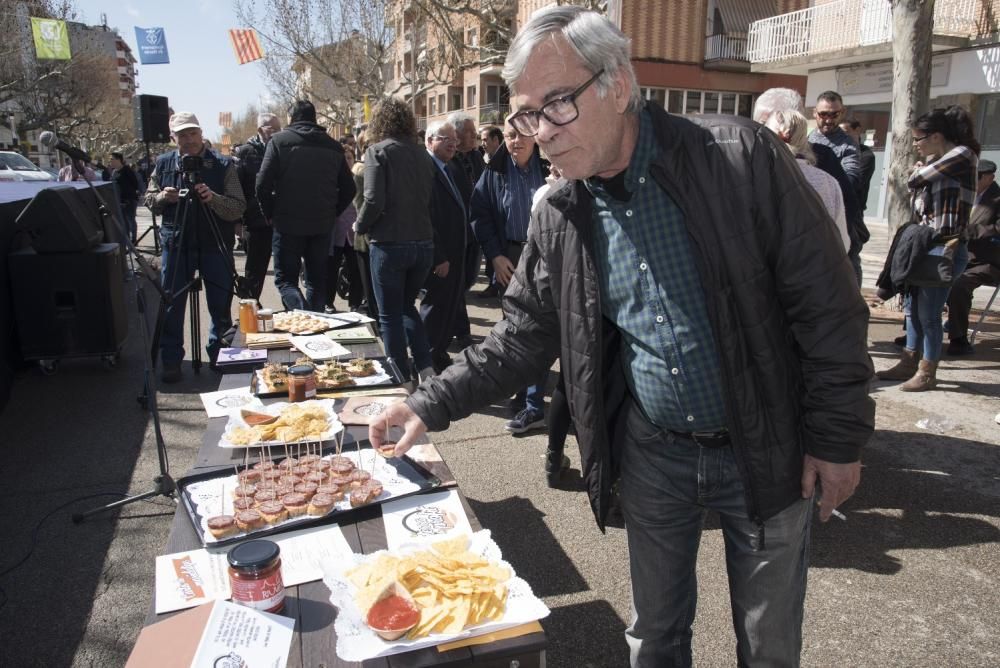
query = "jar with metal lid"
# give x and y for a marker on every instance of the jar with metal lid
(248, 316)
(265, 320)
(301, 382)
(255, 575)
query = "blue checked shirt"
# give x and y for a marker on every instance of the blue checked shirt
(651, 290)
(521, 187)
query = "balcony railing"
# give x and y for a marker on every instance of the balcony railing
(725, 47)
(847, 24)
(493, 113)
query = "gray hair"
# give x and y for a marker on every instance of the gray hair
(793, 123)
(776, 100)
(266, 119)
(595, 39)
(459, 118)
(434, 127)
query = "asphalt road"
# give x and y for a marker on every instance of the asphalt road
(910, 579)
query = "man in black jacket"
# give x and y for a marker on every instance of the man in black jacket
(256, 230)
(983, 234)
(710, 331)
(303, 185)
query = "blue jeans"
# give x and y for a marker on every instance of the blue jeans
(177, 269)
(290, 250)
(924, 330)
(398, 272)
(667, 483)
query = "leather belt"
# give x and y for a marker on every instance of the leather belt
(706, 439)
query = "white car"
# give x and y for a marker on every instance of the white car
(15, 167)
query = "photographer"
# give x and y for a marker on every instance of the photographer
(196, 233)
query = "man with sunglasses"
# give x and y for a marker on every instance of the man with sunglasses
(829, 141)
(711, 337)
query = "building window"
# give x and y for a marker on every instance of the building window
(441, 106)
(746, 106)
(470, 96)
(728, 104)
(711, 104)
(693, 104)
(989, 122)
(473, 38)
(675, 102)
(433, 106)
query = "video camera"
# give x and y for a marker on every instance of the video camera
(191, 166)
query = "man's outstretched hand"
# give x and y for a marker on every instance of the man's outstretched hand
(397, 415)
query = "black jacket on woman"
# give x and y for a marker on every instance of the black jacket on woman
(399, 176)
(787, 319)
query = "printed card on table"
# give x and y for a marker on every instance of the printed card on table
(424, 517)
(187, 579)
(240, 636)
(222, 403)
(319, 347)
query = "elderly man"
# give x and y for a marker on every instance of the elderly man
(501, 207)
(711, 336)
(984, 258)
(198, 212)
(829, 138)
(256, 230)
(490, 139)
(304, 183)
(446, 284)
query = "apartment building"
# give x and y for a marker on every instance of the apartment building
(689, 56)
(846, 45)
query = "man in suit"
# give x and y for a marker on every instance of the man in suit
(983, 234)
(446, 284)
(471, 165)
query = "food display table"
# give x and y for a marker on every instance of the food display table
(309, 604)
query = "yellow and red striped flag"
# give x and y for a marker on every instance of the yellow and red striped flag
(226, 119)
(246, 45)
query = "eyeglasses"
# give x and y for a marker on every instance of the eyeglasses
(560, 111)
(917, 140)
(446, 140)
(828, 114)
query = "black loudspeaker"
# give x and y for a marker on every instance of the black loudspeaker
(152, 118)
(61, 220)
(69, 304)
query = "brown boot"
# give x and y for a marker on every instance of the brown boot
(923, 379)
(904, 368)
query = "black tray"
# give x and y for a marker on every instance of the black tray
(405, 467)
(395, 378)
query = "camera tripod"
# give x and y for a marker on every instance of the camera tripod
(192, 214)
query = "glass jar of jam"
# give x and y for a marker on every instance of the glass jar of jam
(301, 382)
(255, 575)
(265, 320)
(248, 316)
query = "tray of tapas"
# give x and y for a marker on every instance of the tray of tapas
(307, 486)
(360, 372)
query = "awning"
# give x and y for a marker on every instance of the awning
(737, 15)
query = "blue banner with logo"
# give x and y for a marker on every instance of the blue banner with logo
(152, 45)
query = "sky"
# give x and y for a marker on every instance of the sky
(203, 75)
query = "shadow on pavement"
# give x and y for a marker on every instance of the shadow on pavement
(592, 630)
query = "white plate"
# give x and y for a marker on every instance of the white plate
(236, 420)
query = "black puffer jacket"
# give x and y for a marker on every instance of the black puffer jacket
(787, 318)
(304, 182)
(249, 157)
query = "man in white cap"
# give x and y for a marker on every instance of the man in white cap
(256, 230)
(188, 238)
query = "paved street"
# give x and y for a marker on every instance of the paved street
(910, 579)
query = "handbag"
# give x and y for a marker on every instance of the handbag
(935, 269)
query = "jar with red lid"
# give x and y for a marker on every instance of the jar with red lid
(255, 575)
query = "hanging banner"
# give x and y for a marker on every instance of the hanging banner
(152, 43)
(226, 119)
(51, 39)
(246, 45)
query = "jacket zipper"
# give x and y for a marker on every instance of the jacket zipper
(740, 449)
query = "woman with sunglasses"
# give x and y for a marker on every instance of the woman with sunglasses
(942, 193)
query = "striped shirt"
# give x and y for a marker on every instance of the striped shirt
(944, 192)
(521, 187)
(650, 289)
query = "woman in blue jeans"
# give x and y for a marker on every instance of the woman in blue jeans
(943, 192)
(395, 214)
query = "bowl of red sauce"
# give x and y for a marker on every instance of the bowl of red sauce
(393, 614)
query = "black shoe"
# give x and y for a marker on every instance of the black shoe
(960, 346)
(900, 340)
(464, 342)
(171, 373)
(555, 464)
(488, 292)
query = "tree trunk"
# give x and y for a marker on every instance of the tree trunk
(912, 27)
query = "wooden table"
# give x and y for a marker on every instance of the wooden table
(315, 641)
